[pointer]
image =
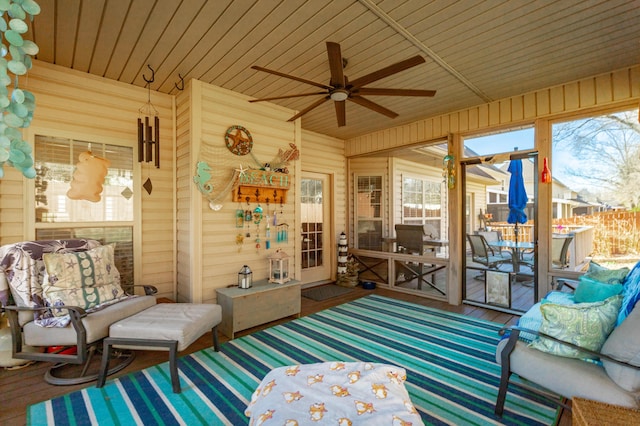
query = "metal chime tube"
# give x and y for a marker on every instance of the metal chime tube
(157, 141)
(140, 141)
(148, 140)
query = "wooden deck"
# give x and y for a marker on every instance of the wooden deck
(26, 386)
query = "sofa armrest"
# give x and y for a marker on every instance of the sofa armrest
(73, 310)
(565, 282)
(515, 333)
(76, 314)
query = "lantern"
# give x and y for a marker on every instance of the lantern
(245, 277)
(279, 267)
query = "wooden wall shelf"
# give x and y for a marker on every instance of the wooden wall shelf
(260, 186)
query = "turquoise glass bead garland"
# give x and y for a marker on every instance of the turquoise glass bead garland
(17, 106)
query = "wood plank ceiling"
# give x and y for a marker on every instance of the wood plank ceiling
(475, 50)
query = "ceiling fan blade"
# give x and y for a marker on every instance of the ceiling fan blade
(335, 64)
(393, 92)
(373, 106)
(341, 113)
(387, 71)
(309, 108)
(288, 96)
(301, 80)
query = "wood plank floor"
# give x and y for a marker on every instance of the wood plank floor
(23, 387)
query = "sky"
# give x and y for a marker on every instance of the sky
(523, 139)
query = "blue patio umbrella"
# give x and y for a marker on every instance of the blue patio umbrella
(517, 194)
(517, 197)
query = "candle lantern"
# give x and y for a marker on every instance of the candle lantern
(279, 267)
(245, 277)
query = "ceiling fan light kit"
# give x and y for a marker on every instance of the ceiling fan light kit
(340, 89)
(339, 95)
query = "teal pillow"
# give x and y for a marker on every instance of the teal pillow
(584, 324)
(590, 290)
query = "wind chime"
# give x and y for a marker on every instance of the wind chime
(149, 135)
(282, 229)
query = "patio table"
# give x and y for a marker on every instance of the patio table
(515, 250)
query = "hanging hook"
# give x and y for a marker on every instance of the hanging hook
(153, 75)
(181, 87)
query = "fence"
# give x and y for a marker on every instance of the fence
(615, 233)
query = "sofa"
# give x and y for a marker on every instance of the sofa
(584, 343)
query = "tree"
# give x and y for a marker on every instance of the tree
(608, 150)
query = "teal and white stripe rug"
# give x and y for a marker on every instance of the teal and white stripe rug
(452, 376)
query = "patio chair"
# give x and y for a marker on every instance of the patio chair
(560, 251)
(62, 332)
(491, 236)
(410, 240)
(482, 253)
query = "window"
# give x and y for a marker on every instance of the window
(369, 212)
(595, 192)
(55, 160)
(422, 204)
(109, 221)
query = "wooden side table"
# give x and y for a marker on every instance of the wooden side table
(243, 308)
(585, 412)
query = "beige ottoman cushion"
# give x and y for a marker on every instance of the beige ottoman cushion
(184, 322)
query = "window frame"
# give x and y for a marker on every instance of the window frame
(30, 225)
(365, 218)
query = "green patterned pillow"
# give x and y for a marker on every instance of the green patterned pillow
(610, 276)
(85, 279)
(584, 324)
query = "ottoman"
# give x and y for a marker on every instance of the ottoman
(165, 326)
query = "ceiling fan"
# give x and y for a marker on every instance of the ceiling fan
(340, 89)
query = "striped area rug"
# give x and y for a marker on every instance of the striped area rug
(452, 377)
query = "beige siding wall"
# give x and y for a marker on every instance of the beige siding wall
(210, 253)
(599, 91)
(184, 185)
(12, 206)
(76, 105)
(477, 193)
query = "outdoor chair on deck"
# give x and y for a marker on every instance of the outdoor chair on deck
(560, 251)
(62, 305)
(494, 236)
(410, 240)
(491, 236)
(482, 253)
